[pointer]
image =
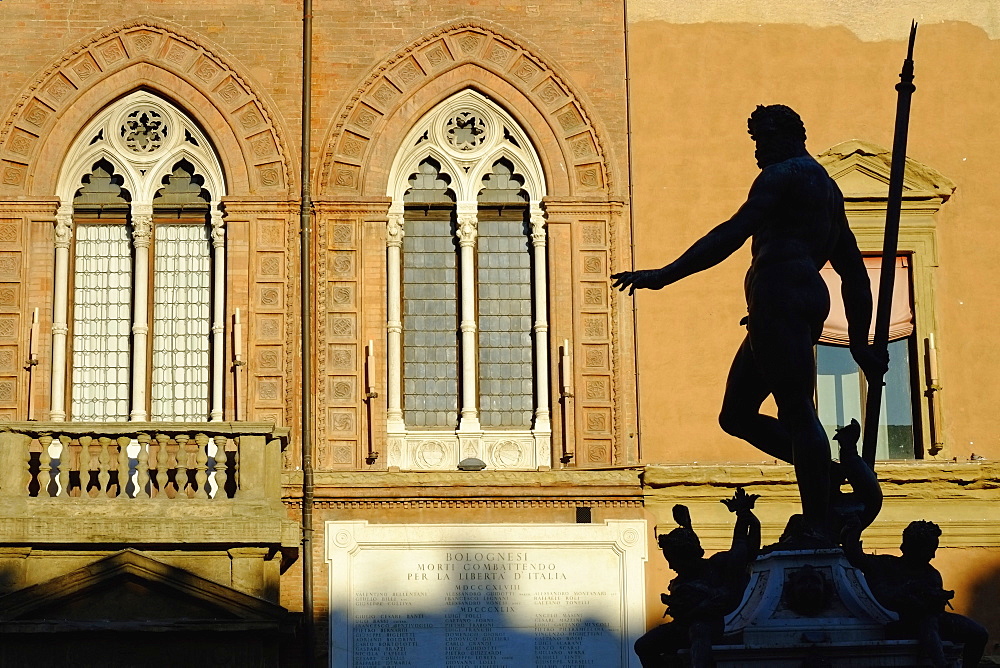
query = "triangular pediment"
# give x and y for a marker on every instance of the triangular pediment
(128, 587)
(861, 169)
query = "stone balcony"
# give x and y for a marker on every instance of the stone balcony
(204, 497)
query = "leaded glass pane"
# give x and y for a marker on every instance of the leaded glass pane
(840, 396)
(430, 319)
(181, 303)
(102, 314)
(506, 392)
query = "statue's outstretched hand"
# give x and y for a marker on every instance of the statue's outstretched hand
(653, 279)
(741, 501)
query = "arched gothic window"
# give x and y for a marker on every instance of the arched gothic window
(467, 295)
(138, 312)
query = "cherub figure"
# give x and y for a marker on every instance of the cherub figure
(705, 590)
(909, 586)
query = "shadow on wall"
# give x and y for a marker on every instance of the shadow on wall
(481, 626)
(134, 610)
(985, 606)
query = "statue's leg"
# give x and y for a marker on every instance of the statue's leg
(701, 644)
(740, 416)
(783, 349)
(659, 646)
(958, 628)
(929, 636)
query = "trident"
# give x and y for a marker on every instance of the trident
(873, 405)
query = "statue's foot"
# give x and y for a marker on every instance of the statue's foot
(803, 534)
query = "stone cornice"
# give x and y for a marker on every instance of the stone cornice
(958, 476)
(73, 429)
(367, 206)
(526, 486)
(244, 205)
(45, 207)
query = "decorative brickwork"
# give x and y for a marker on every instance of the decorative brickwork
(139, 43)
(394, 81)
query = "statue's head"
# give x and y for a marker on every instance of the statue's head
(920, 540)
(778, 132)
(681, 545)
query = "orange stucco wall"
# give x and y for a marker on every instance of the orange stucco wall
(692, 88)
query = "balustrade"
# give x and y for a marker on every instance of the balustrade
(172, 461)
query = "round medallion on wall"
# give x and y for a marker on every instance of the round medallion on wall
(506, 453)
(430, 454)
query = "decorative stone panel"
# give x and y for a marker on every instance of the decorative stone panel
(340, 350)
(595, 379)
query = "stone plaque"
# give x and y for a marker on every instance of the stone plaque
(486, 595)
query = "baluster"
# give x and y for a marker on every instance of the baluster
(103, 466)
(182, 459)
(236, 462)
(64, 466)
(161, 465)
(142, 466)
(44, 465)
(123, 443)
(85, 442)
(201, 466)
(220, 466)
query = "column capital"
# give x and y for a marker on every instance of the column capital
(142, 229)
(467, 229)
(218, 228)
(394, 229)
(64, 226)
(537, 219)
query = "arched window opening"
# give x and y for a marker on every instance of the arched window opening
(504, 291)
(102, 297)
(430, 312)
(182, 297)
(140, 253)
(467, 295)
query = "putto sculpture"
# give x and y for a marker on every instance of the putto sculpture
(909, 586)
(794, 218)
(704, 589)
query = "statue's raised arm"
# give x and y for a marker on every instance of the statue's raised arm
(718, 244)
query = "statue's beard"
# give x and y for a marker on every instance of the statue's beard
(772, 151)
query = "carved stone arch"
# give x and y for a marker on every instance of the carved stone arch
(144, 54)
(86, 166)
(176, 138)
(366, 134)
(491, 160)
(500, 135)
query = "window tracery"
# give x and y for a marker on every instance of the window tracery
(467, 294)
(140, 191)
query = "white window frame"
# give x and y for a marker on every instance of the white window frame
(143, 174)
(424, 449)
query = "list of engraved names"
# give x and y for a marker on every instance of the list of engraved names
(485, 607)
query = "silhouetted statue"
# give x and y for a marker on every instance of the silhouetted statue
(912, 588)
(704, 591)
(860, 506)
(856, 509)
(795, 217)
